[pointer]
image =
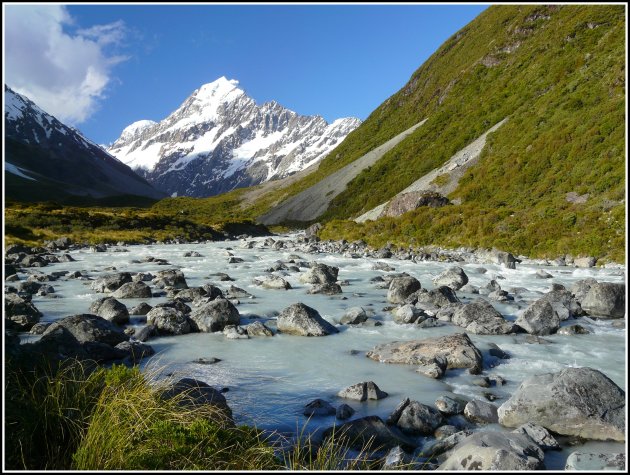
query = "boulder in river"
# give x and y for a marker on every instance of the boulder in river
(592, 462)
(606, 300)
(495, 451)
(273, 282)
(454, 277)
(363, 391)
(213, 316)
(169, 321)
(539, 318)
(110, 309)
(320, 274)
(111, 282)
(354, 316)
(415, 418)
(575, 401)
(133, 290)
(300, 319)
(369, 433)
(457, 349)
(481, 318)
(402, 287)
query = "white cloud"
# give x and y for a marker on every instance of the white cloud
(65, 74)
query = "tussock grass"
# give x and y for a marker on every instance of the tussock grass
(81, 416)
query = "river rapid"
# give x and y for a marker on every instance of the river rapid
(271, 379)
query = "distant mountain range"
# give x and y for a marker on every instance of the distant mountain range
(220, 139)
(47, 160)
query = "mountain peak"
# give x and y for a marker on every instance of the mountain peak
(222, 89)
(132, 129)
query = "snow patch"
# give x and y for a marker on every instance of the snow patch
(9, 167)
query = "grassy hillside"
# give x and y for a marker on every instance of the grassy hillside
(558, 73)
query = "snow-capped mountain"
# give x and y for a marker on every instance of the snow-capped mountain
(220, 139)
(58, 159)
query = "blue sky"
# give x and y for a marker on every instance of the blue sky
(117, 64)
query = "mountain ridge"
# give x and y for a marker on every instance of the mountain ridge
(46, 152)
(219, 139)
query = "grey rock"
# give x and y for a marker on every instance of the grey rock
(402, 287)
(363, 391)
(591, 462)
(206, 361)
(481, 412)
(235, 332)
(585, 262)
(495, 451)
(110, 283)
(437, 447)
(606, 300)
(408, 314)
(500, 296)
(573, 330)
(542, 274)
(574, 401)
(384, 266)
(110, 309)
(300, 319)
(439, 297)
(320, 274)
(416, 418)
(170, 278)
(237, 293)
(213, 316)
(193, 393)
(369, 433)
(86, 328)
(429, 322)
(145, 333)
(133, 290)
(481, 318)
(16, 305)
(445, 314)
(580, 288)
(396, 459)
(445, 431)
(538, 434)
(258, 329)
(563, 303)
(449, 406)
(192, 293)
(140, 309)
(136, 350)
(318, 408)
(354, 316)
(39, 328)
(434, 367)
(539, 318)
(273, 282)
(312, 230)
(169, 321)
(454, 277)
(326, 289)
(21, 322)
(458, 350)
(344, 412)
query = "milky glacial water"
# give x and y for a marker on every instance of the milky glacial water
(270, 380)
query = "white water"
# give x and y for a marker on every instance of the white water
(270, 380)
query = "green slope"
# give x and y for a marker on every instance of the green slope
(558, 73)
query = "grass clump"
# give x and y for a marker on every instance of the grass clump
(82, 416)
